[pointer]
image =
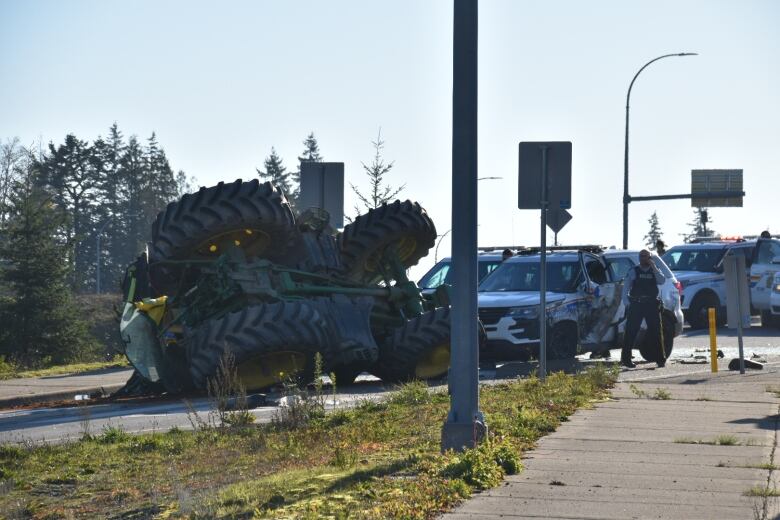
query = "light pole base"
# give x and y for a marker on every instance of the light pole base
(458, 436)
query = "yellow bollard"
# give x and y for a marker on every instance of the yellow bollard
(713, 342)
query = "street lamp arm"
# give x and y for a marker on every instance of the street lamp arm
(628, 96)
(626, 196)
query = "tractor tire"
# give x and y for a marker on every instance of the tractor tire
(697, 313)
(201, 226)
(649, 346)
(405, 225)
(418, 350)
(269, 343)
(563, 341)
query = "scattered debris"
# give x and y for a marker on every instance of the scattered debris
(749, 364)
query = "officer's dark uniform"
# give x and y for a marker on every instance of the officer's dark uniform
(644, 305)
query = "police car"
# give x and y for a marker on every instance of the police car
(584, 306)
(699, 268)
(441, 273)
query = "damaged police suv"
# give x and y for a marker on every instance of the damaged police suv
(584, 308)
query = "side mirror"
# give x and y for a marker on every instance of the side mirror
(776, 260)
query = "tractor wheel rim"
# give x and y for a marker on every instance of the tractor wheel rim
(405, 248)
(434, 363)
(269, 369)
(252, 241)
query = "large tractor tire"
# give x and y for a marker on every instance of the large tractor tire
(403, 225)
(650, 343)
(418, 350)
(200, 226)
(268, 343)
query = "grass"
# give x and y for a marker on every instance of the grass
(762, 491)
(720, 440)
(378, 460)
(660, 394)
(75, 368)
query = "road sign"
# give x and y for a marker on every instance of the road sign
(709, 181)
(322, 186)
(558, 175)
(557, 218)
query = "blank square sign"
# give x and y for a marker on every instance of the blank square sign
(529, 185)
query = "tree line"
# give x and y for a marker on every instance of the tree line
(55, 204)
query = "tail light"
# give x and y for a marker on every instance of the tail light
(679, 287)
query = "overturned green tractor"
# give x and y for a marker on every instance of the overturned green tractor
(231, 269)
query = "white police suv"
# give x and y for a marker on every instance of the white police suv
(583, 299)
(699, 268)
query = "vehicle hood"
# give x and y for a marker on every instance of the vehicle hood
(686, 277)
(515, 299)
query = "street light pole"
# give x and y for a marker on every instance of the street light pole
(626, 196)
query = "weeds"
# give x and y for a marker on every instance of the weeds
(762, 491)
(377, 460)
(228, 393)
(720, 440)
(660, 394)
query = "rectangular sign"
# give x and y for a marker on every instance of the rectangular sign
(529, 188)
(709, 181)
(322, 186)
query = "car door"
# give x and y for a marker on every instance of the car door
(762, 272)
(600, 299)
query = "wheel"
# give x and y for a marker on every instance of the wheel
(698, 316)
(418, 350)
(200, 226)
(563, 341)
(269, 344)
(403, 225)
(649, 346)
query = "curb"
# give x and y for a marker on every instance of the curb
(63, 395)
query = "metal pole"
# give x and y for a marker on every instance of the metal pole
(465, 424)
(713, 340)
(740, 278)
(626, 196)
(543, 274)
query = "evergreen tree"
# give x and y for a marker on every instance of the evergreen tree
(311, 153)
(11, 156)
(185, 184)
(655, 233)
(41, 325)
(699, 226)
(73, 173)
(276, 173)
(379, 192)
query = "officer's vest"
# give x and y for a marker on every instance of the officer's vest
(644, 284)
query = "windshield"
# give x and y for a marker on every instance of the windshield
(441, 273)
(524, 276)
(689, 259)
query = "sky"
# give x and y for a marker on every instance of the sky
(222, 82)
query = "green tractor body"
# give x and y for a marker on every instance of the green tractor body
(231, 270)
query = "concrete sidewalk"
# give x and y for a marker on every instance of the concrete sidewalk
(30, 390)
(638, 457)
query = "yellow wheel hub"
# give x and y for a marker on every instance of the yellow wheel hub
(269, 369)
(434, 363)
(405, 247)
(253, 241)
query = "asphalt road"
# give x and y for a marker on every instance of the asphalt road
(70, 423)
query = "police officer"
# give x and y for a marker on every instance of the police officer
(640, 296)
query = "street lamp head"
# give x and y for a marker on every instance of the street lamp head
(688, 54)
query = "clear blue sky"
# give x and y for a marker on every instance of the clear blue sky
(222, 82)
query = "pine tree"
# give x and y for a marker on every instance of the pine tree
(276, 173)
(654, 235)
(41, 324)
(379, 192)
(699, 226)
(311, 153)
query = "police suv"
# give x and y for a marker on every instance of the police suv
(699, 268)
(584, 308)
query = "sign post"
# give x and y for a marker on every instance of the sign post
(544, 183)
